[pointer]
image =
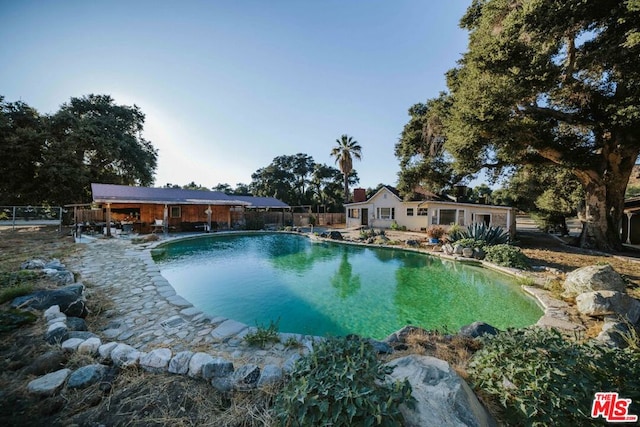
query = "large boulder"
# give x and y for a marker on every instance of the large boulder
(335, 235)
(593, 278)
(442, 397)
(69, 299)
(477, 329)
(614, 333)
(603, 303)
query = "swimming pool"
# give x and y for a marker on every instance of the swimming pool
(325, 288)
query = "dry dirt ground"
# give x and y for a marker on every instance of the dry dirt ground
(134, 398)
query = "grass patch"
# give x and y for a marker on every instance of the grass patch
(527, 281)
(264, 335)
(8, 294)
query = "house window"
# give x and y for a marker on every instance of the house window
(447, 216)
(461, 217)
(423, 212)
(175, 212)
(409, 211)
(386, 213)
(354, 213)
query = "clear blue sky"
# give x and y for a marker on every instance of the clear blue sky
(226, 86)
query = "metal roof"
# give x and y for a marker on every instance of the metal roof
(111, 193)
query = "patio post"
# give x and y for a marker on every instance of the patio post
(208, 212)
(108, 219)
(629, 215)
(165, 220)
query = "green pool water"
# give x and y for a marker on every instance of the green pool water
(322, 288)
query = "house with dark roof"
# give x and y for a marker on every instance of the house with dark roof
(150, 209)
(386, 207)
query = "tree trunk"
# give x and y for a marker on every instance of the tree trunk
(346, 188)
(604, 201)
(599, 231)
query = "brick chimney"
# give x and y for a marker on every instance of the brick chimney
(359, 195)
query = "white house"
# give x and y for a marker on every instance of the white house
(386, 207)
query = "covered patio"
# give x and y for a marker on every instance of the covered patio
(147, 210)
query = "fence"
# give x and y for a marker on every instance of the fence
(20, 216)
(321, 219)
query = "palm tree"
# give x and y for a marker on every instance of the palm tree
(346, 150)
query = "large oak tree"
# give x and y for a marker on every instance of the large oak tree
(552, 82)
(93, 139)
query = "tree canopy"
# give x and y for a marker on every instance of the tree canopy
(53, 159)
(22, 135)
(298, 181)
(551, 82)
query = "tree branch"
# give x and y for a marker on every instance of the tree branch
(568, 118)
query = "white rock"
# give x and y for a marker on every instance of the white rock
(593, 278)
(124, 355)
(602, 303)
(71, 344)
(442, 397)
(90, 346)
(198, 360)
(156, 360)
(105, 349)
(179, 363)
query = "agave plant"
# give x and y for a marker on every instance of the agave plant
(480, 231)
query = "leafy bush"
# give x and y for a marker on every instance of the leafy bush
(395, 226)
(367, 233)
(540, 378)
(264, 334)
(479, 231)
(507, 255)
(340, 384)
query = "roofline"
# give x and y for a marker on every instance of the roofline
(177, 202)
(437, 201)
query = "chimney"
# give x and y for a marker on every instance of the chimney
(359, 195)
(460, 192)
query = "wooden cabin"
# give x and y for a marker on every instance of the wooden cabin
(146, 210)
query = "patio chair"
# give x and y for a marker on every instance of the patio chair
(158, 225)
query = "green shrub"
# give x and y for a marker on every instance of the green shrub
(507, 256)
(367, 233)
(470, 242)
(340, 384)
(540, 378)
(264, 334)
(479, 231)
(394, 225)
